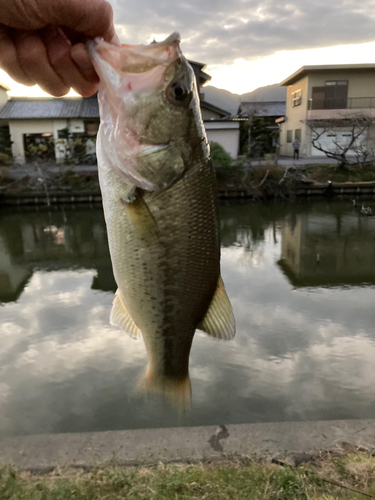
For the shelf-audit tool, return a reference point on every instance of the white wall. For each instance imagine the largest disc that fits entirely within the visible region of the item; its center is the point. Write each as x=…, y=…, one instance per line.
x=341, y=135
x=18, y=128
x=226, y=133
x=3, y=97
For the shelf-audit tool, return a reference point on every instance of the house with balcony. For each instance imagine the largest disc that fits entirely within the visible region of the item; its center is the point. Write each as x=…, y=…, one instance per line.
x=320, y=94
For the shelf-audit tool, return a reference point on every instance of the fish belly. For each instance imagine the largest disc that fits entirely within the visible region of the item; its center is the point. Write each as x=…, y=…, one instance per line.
x=167, y=271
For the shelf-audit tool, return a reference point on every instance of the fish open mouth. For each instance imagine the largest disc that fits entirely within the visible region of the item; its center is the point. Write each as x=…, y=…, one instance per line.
x=129, y=75
x=134, y=68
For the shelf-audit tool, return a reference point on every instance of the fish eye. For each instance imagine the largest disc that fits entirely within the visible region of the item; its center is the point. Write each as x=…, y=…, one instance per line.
x=179, y=90
x=178, y=94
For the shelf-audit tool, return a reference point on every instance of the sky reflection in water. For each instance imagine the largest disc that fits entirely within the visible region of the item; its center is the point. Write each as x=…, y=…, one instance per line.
x=304, y=348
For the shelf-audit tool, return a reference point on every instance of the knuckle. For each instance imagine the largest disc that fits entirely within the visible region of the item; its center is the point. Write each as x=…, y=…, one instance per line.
x=85, y=90
x=57, y=91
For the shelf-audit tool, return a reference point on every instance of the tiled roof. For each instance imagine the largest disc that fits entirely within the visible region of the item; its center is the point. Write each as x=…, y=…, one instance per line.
x=18, y=108
x=270, y=108
x=216, y=109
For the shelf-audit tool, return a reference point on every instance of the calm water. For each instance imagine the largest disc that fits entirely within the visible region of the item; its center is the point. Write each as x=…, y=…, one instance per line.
x=305, y=344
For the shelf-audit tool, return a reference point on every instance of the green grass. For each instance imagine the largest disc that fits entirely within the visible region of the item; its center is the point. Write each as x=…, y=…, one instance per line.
x=231, y=480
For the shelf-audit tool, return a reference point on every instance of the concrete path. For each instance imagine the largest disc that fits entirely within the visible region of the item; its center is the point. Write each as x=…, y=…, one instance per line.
x=147, y=446
x=287, y=161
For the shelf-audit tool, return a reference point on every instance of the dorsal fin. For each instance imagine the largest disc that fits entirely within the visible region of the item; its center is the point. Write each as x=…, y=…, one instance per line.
x=219, y=319
x=120, y=317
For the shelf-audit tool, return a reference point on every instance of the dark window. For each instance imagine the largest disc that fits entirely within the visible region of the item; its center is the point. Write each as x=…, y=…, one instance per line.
x=63, y=133
x=333, y=95
x=297, y=134
x=289, y=136
x=39, y=147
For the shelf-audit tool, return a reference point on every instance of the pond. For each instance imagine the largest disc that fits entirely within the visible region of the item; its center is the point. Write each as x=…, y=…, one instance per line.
x=301, y=278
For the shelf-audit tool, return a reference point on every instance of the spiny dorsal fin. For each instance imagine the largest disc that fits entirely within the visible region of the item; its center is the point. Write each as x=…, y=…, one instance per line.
x=121, y=318
x=219, y=319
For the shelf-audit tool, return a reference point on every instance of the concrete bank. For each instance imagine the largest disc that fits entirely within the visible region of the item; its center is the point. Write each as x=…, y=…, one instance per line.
x=304, y=190
x=147, y=446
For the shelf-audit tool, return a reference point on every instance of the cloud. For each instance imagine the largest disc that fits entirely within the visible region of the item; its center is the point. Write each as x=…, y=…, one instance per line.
x=219, y=32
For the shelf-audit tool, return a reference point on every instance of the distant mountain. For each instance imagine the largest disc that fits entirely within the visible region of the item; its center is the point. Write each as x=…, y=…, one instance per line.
x=230, y=102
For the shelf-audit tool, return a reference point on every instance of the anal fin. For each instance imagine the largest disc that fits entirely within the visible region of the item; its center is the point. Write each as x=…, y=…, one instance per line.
x=120, y=317
x=219, y=319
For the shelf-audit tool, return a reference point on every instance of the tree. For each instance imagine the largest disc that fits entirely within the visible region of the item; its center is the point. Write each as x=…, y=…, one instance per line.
x=221, y=160
x=255, y=137
x=356, y=131
x=5, y=144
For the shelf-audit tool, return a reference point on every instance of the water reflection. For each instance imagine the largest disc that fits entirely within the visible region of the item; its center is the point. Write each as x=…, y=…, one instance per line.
x=49, y=241
x=326, y=247
x=304, y=349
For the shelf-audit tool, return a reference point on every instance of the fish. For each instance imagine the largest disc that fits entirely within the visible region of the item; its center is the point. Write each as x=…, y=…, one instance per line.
x=160, y=204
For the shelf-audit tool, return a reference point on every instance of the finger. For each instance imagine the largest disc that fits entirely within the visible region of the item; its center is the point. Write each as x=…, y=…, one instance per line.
x=33, y=59
x=90, y=17
x=58, y=49
x=83, y=61
x=9, y=61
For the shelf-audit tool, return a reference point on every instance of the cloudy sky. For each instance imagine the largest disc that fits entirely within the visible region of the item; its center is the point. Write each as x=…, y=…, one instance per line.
x=248, y=44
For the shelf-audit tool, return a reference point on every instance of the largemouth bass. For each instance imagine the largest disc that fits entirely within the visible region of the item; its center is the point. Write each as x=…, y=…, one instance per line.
x=159, y=197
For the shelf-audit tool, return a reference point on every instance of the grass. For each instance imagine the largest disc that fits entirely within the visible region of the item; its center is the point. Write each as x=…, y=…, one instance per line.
x=351, y=173
x=230, y=480
x=67, y=180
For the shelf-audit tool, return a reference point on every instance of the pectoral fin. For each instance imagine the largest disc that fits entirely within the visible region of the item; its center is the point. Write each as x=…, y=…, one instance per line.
x=143, y=221
x=161, y=165
x=121, y=318
x=219, y=319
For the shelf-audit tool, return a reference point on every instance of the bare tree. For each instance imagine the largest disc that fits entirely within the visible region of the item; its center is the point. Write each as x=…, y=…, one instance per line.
x=355, y=128
x=364, y=150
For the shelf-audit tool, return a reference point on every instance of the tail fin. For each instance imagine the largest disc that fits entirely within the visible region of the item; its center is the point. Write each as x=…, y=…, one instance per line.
x=177, y=391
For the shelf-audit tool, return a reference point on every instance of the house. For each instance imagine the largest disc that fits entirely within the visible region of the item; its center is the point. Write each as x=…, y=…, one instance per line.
x=270, y=111
x=3, y=94
x=220, y=127
x=4, y=130
x=44, y=124
x=34, y=122
x=319, y=249
x=317, y=95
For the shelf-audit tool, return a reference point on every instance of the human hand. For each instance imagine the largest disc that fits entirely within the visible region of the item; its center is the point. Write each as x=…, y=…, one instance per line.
x=42, y=42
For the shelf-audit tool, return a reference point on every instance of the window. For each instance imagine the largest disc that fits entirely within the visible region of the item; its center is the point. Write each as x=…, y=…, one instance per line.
x=289, y=136
x=92, y=128
x=333, y=95
x=337, y=82
x=296, y=98
x=63, y=133
x=39, y=146
x=297, y=134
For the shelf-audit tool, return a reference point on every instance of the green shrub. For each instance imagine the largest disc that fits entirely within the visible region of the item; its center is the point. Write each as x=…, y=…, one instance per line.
x=221, y=161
